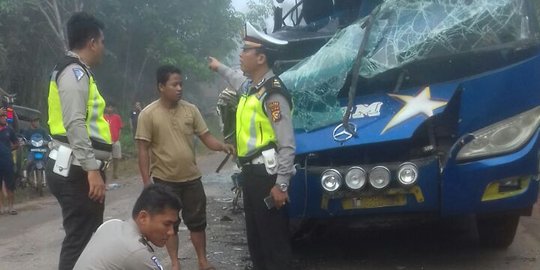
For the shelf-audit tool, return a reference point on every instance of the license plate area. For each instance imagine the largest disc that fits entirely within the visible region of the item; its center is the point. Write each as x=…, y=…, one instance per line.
x=374, y=201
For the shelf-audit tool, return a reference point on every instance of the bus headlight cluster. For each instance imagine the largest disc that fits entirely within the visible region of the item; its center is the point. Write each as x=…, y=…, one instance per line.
x=331, y=180
x=407, y=174
x=355, y=178
x=379, y=177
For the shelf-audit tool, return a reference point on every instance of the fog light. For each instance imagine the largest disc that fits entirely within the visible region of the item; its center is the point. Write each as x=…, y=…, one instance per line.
x=355, y=178
x=407, y=174
x=331, y=180
x=510, y=184
x=379, y=177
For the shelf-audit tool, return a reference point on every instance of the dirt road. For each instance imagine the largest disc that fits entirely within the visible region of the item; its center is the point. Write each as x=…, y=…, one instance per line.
x=31, y=240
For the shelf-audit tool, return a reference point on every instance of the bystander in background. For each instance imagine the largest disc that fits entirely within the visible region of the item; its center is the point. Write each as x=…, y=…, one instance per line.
x=134, y=116
x=115, y=125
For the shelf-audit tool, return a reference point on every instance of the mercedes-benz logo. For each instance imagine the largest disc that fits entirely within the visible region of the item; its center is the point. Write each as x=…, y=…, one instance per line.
x=341, y=134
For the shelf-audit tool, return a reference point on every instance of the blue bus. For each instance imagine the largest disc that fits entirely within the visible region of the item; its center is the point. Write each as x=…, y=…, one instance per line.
x=414, y=109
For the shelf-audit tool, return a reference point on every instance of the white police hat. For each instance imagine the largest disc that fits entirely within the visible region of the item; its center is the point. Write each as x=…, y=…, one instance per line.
x=255, y=36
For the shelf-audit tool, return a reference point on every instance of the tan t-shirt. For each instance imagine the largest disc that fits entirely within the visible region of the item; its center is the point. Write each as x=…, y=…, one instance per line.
x=171, y=136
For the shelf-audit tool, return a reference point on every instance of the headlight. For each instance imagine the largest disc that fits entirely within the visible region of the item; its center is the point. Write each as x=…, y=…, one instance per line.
x=37, y=143
x=407, y=174
x=331, y=180
x=379, y=177
x=355, y=178
x=502, y=137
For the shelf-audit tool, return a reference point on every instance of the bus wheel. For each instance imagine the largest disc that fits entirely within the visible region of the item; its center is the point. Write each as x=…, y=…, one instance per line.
x=497, y=231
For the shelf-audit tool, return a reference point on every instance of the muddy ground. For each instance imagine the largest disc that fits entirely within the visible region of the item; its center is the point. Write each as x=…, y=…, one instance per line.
x=31, y=240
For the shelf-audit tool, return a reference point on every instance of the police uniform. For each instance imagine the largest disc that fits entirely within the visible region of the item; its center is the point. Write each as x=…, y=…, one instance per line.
x=118, y=245
x=76, y=122
x=265, y=147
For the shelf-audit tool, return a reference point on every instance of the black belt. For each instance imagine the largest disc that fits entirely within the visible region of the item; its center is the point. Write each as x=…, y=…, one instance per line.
x=259, y=160
x=247, y=160
x=95, y=144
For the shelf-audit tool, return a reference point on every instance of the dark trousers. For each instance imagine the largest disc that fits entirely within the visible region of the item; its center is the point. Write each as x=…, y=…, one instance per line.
x=81, y=216
x=7, y=174
x=193, y=199
x=267, y=230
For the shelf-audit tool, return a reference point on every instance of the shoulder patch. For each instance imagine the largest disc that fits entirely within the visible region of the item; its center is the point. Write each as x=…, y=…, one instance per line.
x=79, y=73
x=156, y=262
x=275, y=111
x=276, y=83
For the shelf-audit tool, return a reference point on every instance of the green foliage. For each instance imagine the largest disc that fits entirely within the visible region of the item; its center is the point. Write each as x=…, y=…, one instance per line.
x=128, y=142
x=140, y=35
x=259, y=10
x=181, y=33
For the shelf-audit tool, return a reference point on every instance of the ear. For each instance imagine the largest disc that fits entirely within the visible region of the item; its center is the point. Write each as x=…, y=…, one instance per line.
x=161, y=87
x=261, y=59
x=92, y=43
x=143, y=217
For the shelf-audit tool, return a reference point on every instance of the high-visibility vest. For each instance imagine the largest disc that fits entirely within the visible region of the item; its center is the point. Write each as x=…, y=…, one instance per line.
x=96, y=125
x=254, y=131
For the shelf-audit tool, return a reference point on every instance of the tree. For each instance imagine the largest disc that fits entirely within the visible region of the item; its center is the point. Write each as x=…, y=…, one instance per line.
x=258, y=12
x=50, y=9
x=182, y=33
x=139, y=34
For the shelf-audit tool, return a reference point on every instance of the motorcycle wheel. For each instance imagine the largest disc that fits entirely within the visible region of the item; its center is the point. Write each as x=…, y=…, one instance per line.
x=44, y=179
x=39, y=181
x=235, y=202
x=21, y=182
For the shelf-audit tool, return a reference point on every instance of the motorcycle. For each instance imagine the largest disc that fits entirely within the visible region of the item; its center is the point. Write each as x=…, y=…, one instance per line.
x=37, y=154
x=226, y=109
x=237, y=191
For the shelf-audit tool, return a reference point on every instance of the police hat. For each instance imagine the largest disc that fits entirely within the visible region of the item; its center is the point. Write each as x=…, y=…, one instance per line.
x=257, y=39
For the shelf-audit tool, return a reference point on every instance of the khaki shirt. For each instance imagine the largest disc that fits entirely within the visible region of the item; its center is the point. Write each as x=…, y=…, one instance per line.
x=73, y=92
x=118, y=245
x=171, y=136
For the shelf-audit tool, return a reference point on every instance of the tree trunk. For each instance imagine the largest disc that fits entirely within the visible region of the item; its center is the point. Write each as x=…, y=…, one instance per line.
x=126, y=82
x=50, y=10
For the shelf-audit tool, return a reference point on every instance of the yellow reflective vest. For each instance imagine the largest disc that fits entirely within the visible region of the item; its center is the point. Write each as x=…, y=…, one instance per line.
x=254, y=131
x=96, y=125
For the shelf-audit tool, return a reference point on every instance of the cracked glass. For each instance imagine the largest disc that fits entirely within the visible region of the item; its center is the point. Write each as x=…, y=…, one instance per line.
x=403, y=32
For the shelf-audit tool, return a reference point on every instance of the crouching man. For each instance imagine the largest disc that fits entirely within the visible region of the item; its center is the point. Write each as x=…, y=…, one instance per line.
x=126, y=244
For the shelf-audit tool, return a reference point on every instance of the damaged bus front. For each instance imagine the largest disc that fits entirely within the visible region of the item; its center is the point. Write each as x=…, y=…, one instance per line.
x=420, y=108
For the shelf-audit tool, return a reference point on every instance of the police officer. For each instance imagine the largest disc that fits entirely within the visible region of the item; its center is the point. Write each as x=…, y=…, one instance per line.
x=81, y=137
x=126, y=245
x=266, y=147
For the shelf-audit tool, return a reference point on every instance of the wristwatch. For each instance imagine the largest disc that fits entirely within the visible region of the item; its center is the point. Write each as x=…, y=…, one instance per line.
x=283, y=187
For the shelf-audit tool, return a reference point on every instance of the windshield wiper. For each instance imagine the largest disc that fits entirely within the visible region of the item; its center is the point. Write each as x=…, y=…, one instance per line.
x=356, y=69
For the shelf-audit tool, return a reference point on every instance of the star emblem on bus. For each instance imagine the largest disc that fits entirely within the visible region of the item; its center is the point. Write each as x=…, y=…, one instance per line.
x=421, y=104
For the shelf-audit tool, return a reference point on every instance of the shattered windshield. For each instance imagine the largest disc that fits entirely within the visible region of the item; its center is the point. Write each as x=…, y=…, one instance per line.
x=403, y=32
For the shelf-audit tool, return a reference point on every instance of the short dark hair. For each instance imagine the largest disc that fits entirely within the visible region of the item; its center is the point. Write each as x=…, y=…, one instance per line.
x=155, y=199
x=164, y=72
x=82, y=27
x=270, y=55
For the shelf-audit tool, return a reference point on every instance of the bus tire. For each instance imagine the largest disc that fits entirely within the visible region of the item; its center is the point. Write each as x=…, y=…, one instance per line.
x=497, y=231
